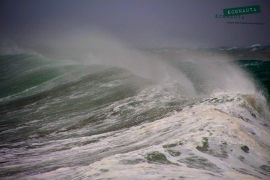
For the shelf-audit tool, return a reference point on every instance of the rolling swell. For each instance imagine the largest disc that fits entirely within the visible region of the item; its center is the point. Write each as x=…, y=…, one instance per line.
x=24, y=75
x=55, y=91
x=69, y=100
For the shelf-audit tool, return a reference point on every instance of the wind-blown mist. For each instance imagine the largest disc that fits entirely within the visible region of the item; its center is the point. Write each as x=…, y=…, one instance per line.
x=195, y=72
x=192, y=71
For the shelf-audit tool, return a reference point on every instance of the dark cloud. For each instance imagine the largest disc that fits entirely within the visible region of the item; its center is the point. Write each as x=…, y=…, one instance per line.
x=148, y=23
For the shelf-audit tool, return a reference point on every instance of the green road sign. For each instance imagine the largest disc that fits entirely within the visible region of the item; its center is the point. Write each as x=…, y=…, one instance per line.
x=242, y=10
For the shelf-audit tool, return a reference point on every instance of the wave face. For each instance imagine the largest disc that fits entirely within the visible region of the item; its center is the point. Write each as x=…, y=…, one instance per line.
x=65, y=120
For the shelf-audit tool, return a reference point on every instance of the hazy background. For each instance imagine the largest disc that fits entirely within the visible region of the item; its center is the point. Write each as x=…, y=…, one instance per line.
x=140, y=23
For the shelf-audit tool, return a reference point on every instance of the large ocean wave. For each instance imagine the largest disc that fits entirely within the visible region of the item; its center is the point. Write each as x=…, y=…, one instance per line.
x=146, y=117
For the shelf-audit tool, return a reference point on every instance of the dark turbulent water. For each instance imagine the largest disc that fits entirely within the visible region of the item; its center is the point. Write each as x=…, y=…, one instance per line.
x=64, y=120
x=260, y=70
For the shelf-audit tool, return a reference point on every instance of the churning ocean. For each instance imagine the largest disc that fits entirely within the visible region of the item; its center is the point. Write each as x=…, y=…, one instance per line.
x=162, y=115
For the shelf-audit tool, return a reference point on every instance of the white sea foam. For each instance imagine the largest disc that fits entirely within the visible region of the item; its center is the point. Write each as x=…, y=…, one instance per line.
x=204, y=140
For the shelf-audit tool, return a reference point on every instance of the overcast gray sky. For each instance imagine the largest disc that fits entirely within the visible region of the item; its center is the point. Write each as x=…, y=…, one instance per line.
x=176, y=23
